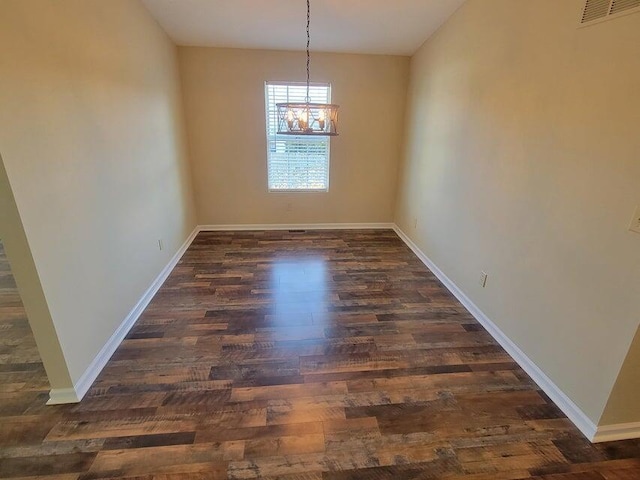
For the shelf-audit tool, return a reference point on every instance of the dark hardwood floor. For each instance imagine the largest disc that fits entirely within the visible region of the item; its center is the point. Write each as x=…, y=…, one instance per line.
x=318, y=355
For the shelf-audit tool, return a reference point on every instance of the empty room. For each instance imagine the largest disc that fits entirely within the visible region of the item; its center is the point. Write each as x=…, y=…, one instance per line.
x=320, y=239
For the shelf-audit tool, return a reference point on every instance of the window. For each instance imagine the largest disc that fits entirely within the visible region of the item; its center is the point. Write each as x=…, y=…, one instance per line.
x=296, y=162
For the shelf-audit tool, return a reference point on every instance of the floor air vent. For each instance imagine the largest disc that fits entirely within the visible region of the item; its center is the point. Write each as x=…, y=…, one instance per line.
x=597, y=10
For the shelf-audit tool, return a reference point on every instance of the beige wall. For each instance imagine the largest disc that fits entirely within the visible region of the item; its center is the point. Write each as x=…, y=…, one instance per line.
x=91, y=135
x=223, y=92
x=523, y=159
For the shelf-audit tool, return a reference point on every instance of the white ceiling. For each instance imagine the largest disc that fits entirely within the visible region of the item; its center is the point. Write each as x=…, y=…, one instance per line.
x=396, y=27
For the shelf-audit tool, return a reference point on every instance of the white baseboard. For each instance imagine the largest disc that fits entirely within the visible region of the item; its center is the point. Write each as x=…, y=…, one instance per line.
x=620, y=431
x=603, y=433
x=73, y=395
x=58, y=396
x=80, y=388
x=296, y=226
x=570, y=409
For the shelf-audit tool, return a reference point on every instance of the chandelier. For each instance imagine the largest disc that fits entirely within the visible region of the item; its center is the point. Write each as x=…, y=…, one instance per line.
x=307, y=118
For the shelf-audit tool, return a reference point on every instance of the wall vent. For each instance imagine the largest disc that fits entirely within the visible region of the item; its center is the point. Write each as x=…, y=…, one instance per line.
x=598, y=10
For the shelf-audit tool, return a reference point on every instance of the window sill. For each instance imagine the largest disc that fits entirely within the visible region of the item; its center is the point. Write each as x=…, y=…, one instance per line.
x=299, y=190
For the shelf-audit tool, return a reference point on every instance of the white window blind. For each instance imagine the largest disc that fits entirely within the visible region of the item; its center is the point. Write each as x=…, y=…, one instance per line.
x=296, y=162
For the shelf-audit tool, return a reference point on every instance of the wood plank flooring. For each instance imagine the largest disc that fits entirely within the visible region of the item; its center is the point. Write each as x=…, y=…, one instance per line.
x=317, y=355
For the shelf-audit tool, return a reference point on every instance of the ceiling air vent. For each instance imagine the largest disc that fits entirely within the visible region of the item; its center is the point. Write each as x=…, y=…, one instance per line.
x=595, y=10
x=618, y=6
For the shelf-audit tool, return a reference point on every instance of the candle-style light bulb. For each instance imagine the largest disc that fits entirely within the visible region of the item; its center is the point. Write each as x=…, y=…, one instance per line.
x=321, y=119
x=290, y=118
x=304, y=119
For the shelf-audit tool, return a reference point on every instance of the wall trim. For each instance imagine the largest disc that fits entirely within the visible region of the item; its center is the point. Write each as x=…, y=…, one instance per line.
x=603, y=433
x=296, y=226
x=618, y=431
x=570, y=409
x=73, y=395
x=58, y=396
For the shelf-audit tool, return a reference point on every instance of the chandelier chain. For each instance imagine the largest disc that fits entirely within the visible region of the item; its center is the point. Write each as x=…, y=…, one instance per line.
x=308, y=43
x=297, y=118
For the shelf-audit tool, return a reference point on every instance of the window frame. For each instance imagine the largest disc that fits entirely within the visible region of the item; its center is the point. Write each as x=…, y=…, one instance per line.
x=292, y=137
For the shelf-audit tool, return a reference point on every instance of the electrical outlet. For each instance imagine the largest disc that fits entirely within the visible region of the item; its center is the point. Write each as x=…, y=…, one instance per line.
x=160, y=245
x=635, y=223
x=483, y=279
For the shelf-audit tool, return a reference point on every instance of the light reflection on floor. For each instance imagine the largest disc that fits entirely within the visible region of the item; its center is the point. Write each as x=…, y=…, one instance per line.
x=300, y=289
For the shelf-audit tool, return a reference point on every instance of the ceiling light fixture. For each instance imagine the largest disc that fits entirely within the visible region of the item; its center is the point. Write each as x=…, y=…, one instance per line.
x=307, y=118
